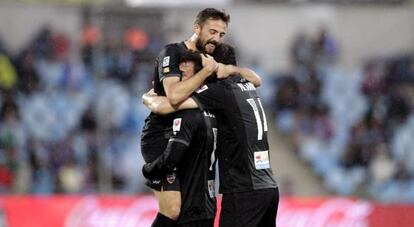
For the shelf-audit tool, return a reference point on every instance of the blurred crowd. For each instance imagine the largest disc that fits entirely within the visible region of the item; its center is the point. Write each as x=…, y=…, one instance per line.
x=70, y=116
x=354, y=128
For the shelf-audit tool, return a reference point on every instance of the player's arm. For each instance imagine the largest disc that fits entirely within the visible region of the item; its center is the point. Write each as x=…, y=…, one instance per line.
x=226, y=55
x=224, y=71
x=177, y=91
x=210, y=97
x=161, y=104
x=167, y=161
x=185, y=125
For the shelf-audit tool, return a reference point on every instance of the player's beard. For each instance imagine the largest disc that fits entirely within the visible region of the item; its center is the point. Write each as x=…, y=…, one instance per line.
x=202, y=47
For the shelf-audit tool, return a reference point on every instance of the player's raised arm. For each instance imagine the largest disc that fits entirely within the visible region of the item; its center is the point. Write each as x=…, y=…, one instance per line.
x=228, y=66
x=177, y=91
x=224, y=71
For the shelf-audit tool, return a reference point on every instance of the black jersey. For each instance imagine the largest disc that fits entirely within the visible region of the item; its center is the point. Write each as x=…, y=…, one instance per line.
x=157, y=128
x=191, y=150
x=243, y=150
x=196, y=168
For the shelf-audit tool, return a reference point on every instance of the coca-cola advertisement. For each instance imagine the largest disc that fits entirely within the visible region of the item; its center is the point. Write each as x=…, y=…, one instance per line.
x=140, y=210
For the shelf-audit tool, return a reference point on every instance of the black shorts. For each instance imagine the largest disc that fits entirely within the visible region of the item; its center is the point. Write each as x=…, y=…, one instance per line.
x=155, y=135
x=246, y=209
x=201, y=223
x=169, y=182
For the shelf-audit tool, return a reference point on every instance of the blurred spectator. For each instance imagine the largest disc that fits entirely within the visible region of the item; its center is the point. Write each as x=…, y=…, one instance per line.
x=382, y=168
x=28, y=76
x=315, y=122
x=8, y=75
x=12, y=137
x=365, y=136
x=6, y=176
x=301, y=50
x=374, y=83
x=326, y=47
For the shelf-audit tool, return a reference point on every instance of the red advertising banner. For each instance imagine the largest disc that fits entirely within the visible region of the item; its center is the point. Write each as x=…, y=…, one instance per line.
x=139, y=211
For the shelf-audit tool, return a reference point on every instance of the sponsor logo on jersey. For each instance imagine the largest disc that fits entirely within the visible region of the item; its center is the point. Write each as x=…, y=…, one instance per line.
x=166, y=61
x=156, y=181
x=202, y=88
x=176, y=125
x=261, y=159
x=171, y=178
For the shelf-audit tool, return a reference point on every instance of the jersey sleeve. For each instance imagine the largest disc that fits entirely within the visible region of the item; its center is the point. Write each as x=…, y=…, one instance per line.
x=210, y=96
x=185, y=125
x=168, y=62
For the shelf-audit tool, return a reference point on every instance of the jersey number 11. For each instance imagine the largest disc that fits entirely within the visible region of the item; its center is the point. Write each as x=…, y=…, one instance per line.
x=260, y=118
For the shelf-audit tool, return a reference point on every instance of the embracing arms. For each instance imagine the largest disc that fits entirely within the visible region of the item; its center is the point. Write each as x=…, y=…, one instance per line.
x=161, y=105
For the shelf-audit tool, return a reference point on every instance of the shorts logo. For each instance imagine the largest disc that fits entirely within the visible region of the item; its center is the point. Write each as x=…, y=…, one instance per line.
x=166, y=61
x=261, y=159
x=202, y=88
x=171, y=178
x=176, y=125
x=211, y=188
x=166, y=70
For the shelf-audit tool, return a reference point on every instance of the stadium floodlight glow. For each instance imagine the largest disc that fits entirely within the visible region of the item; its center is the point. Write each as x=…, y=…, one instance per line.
x=172, y=3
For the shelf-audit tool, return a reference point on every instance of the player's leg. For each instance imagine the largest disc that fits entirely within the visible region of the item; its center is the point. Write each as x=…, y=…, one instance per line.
x=245, y=209
x=227, y=215
x=269, y=218
x=169, y=201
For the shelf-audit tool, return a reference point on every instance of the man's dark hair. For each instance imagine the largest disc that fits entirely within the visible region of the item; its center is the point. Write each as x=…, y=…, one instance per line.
x=225, y=54
x=192, y=56
x=211, y=13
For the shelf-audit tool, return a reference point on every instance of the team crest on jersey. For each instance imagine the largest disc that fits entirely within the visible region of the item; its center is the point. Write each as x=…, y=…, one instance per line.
x=202, y=88
x=166, y=61
x=176, y=125
x=171, y=178
x=261, y=159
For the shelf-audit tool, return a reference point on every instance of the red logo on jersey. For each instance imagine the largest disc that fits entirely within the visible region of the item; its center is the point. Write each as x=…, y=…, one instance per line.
x=176, y=124
x=202, y=88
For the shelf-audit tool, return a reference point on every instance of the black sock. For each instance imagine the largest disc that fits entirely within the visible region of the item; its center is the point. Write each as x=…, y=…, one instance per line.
x=163, y=221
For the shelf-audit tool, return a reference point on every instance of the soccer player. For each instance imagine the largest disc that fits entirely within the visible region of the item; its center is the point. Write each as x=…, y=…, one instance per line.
x=190, y=149
x=209, y=29
x=250, y=193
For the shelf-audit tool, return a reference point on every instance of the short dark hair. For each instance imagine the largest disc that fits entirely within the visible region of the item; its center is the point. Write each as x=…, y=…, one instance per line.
x=211, y=13
x=225, y=54
x=192, y=56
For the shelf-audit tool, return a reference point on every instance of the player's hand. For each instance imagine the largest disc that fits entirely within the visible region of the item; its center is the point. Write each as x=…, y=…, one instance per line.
x=146, y=97
x=209, y=62
x=151, y=92
x=223, y=71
